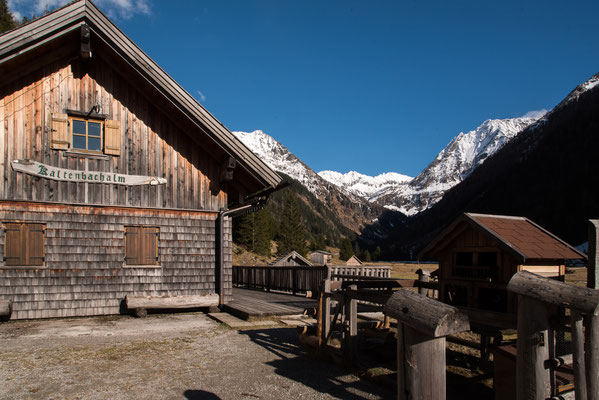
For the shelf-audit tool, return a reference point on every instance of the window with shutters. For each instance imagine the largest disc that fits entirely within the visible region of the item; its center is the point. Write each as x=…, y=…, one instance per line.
x=141, y=245
x=23, y=244
x=93, y=135
x=86, y=134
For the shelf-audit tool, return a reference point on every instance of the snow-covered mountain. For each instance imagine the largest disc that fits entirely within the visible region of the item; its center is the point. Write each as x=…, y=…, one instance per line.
x=367, y=187
x=452, y=165
x=353, y=211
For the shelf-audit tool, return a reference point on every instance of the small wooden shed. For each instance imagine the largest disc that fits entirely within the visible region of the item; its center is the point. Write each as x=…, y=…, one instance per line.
x=291, y=259
x=479, y=253
x=321, y=257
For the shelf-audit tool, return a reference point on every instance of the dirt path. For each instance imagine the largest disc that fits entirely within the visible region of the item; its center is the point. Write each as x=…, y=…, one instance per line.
x=169, y=356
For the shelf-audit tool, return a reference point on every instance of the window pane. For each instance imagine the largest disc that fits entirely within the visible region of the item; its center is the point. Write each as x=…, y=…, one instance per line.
x=487, y=259
x=94, y=129
x=463, y=258
x=94, y=143
x=78, y=126
x=79, y=142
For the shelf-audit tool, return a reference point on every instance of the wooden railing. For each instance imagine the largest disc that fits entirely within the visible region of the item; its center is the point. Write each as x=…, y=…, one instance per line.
x=295, y=280
x=305, y=280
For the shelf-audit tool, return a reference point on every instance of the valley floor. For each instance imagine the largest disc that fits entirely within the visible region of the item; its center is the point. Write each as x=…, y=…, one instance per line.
x=165, y=356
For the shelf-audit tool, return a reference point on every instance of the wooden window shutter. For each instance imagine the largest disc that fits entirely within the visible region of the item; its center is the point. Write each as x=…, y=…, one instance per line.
x=13, y=244
x=132, y=245
x=112, y=137
x=60, y=131
x=149, y=246
x=24, y=244
x=35, y=245
x=141, y=245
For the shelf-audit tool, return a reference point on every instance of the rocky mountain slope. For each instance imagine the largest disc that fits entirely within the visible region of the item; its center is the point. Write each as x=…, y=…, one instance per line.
x=352, y=211
x=546, y=173
x=451, y=166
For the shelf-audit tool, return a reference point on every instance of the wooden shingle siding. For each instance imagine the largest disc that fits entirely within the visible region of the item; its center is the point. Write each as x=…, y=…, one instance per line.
x=84, y=271
x=151, y=142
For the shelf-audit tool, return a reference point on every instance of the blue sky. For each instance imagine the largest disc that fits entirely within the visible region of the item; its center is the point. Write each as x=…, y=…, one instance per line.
x=370, y=86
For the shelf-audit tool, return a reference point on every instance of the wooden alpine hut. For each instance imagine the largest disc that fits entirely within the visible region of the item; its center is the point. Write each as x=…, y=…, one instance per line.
x=115, y=182
x=479, y=253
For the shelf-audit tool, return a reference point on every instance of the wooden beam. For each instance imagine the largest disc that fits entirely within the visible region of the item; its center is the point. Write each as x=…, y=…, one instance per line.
x=426, y=315
x=554, y=292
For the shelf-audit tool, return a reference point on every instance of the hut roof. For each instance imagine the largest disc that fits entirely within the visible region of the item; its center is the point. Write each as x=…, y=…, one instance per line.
x=353, y=260
x=517, y=235
x=292, y=255
x=30, y=42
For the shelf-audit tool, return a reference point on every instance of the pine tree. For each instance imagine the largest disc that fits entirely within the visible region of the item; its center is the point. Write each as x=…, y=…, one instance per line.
x=292, y=234
x=253, y=231
x=366, y=256
x=7, y=22
x=346, y=251
x=377, y=253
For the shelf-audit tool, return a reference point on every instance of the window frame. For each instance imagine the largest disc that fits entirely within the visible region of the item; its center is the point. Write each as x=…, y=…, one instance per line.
x=26, y=238
x=87, y=121
x=141, y=230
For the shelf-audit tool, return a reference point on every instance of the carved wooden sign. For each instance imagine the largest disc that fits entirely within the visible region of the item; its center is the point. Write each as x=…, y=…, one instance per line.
x=71, y=175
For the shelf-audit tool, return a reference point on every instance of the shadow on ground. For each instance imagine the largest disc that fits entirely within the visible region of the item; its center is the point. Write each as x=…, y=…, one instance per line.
x=200, y=395
x=296, y=364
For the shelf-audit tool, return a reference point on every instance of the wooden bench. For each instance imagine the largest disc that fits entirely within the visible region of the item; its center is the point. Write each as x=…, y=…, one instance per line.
x=141, y=304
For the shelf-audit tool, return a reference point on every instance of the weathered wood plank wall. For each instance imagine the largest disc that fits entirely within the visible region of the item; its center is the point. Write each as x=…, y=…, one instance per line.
x=84, y=272
x=152, y=142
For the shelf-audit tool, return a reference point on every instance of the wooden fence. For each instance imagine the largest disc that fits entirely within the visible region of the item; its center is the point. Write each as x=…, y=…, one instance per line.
x=295, y=280
x=305, y=280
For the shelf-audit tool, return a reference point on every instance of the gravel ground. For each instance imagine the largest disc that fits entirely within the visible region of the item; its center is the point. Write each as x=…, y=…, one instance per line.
x=166, y=356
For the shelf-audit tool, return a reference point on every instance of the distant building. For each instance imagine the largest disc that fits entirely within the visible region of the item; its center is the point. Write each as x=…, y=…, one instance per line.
x=321, y=257
x=293, y=259
x=479, y=253
x=353, y=260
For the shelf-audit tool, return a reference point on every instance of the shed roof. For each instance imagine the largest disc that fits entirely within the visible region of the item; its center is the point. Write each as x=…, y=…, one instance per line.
x=517, y=235
x=27, y=39
x=294, y=255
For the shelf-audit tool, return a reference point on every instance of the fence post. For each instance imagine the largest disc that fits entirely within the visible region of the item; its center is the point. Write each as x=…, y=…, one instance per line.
x=591, y=350
x=578, y=362
x=532, y=378
x=351, y=326
x=423, y=276
x=423, y=324
x=326, y=309
x=535, y=295
x=592, y=272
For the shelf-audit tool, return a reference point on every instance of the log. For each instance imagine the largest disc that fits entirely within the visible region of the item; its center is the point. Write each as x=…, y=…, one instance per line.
x=426, y=315
x=550, y=291
x=177, y=302
x=5, y=308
